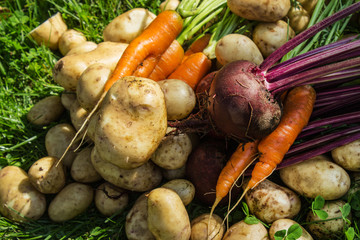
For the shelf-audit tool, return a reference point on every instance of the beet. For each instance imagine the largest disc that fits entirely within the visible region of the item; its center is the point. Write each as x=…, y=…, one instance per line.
x=240, y=105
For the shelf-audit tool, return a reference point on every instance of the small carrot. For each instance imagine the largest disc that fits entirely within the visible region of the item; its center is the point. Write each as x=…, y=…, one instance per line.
x=243, y=156
x=153, y=41
x=297, y=110
x=193, y=69
x=146, y=67
x=168, y=62
x=198, y=45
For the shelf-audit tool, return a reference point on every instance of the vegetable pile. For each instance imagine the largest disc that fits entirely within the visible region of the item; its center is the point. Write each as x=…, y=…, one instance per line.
x=205, y=119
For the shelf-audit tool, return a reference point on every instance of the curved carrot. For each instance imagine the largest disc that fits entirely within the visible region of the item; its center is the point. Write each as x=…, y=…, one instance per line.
x=154, y=40
x=193, y=69
x=198, y=45
x=298, y=107
x=168, y=62
x=146, y=67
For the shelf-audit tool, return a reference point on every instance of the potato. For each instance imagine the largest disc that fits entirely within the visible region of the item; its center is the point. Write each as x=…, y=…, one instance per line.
x=270, y=36
x=82, y=169
x=85, y=47
x=46, y=111
x=57, y=139
x=244, y=231
x=140, y=179
x=134, y=107
x=50, y=31
x=70, y=39
x=179, y=98
x=235, y=47
x=78, y=115
x=110, y=199
x=269, y=201
x=173, y=151
x=47, y=175
x=169, y=5
x=201, y=231
x=129, y=25
x=136, y=226
x=68, y=69
x=327, y=229
x=298, y=18
x=90, y=133
x=70, y=202
x=348, y=156
x=68, y=99
x=260, y=10
x=285, y=224
x=317, y=176
x=91, y=85
x=184, y=188
x=19, y=200
x=170, y=174
x=167, y=215
x=308, y=5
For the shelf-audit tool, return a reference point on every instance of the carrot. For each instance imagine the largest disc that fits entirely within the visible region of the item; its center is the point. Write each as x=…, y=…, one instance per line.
x=243, y=156
x=168, y=62
x=153, y=41
x=193, y=69
x=297, y=110
x=146, y=67
x=198, y=45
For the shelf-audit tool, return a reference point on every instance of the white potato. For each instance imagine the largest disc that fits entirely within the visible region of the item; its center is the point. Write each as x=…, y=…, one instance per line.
x=298, y=18
x=68, y=99
x=47, y=175
x=57, y=139
x=70, y=39
x=136, y=226
x=244, y=231
x=132, y=122
x=173, y=151
x=348, y=156
x=82, y=169
x=78, y=115
x=269, y=201
x=180, y=98
x=235, y=47
x=91, y=85
x=71, y=201
x=260, y=10
x=85, y=47
x=46, y=111
x=140, y=179
x=270, y=36
x=200, y=229
x=169, y=5
x=167, y=215
x=285, y=224
x=129, y=25
x=308, y=5
x=110, y=200
x=184, y=188
x=317, y=176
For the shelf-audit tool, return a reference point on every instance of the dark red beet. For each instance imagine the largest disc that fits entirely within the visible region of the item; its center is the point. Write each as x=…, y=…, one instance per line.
x=240, y=105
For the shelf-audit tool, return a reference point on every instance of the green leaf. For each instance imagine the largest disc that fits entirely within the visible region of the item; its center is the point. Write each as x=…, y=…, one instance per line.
x=294, y=232
x=245, y=208
x=350, y=233
x=251, y=220
x=345, y=210
x=321, y=214
x=318, y=203
x=279, y=235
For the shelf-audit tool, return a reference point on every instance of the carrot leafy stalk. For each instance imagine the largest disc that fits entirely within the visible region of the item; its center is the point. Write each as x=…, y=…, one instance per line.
x=153, y=41
x=297, y=110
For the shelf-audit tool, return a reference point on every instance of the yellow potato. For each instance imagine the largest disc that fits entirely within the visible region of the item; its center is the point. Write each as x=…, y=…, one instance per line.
x=348, y=156
x=19, y=199
x=244, y=231
x=200, y=227
x=68, y=69
x=68, y=99
x=285, y=224
x=167, y=215
x=110, y=199
x=47, y=176
x=82, y=169
x=78, y=115
x=46, y=111
x=169, y=5
x=71, y=201
x=184, y=188
x=85, y=47
x=298, y=18
x=132, y=122
x=70, y=39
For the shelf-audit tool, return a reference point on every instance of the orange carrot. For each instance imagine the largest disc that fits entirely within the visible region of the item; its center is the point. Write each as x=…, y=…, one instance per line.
x=154, y=40
x=193, y=69
x=198, y=45
x=168, y=62
x=298, y=107
x=146, y=67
